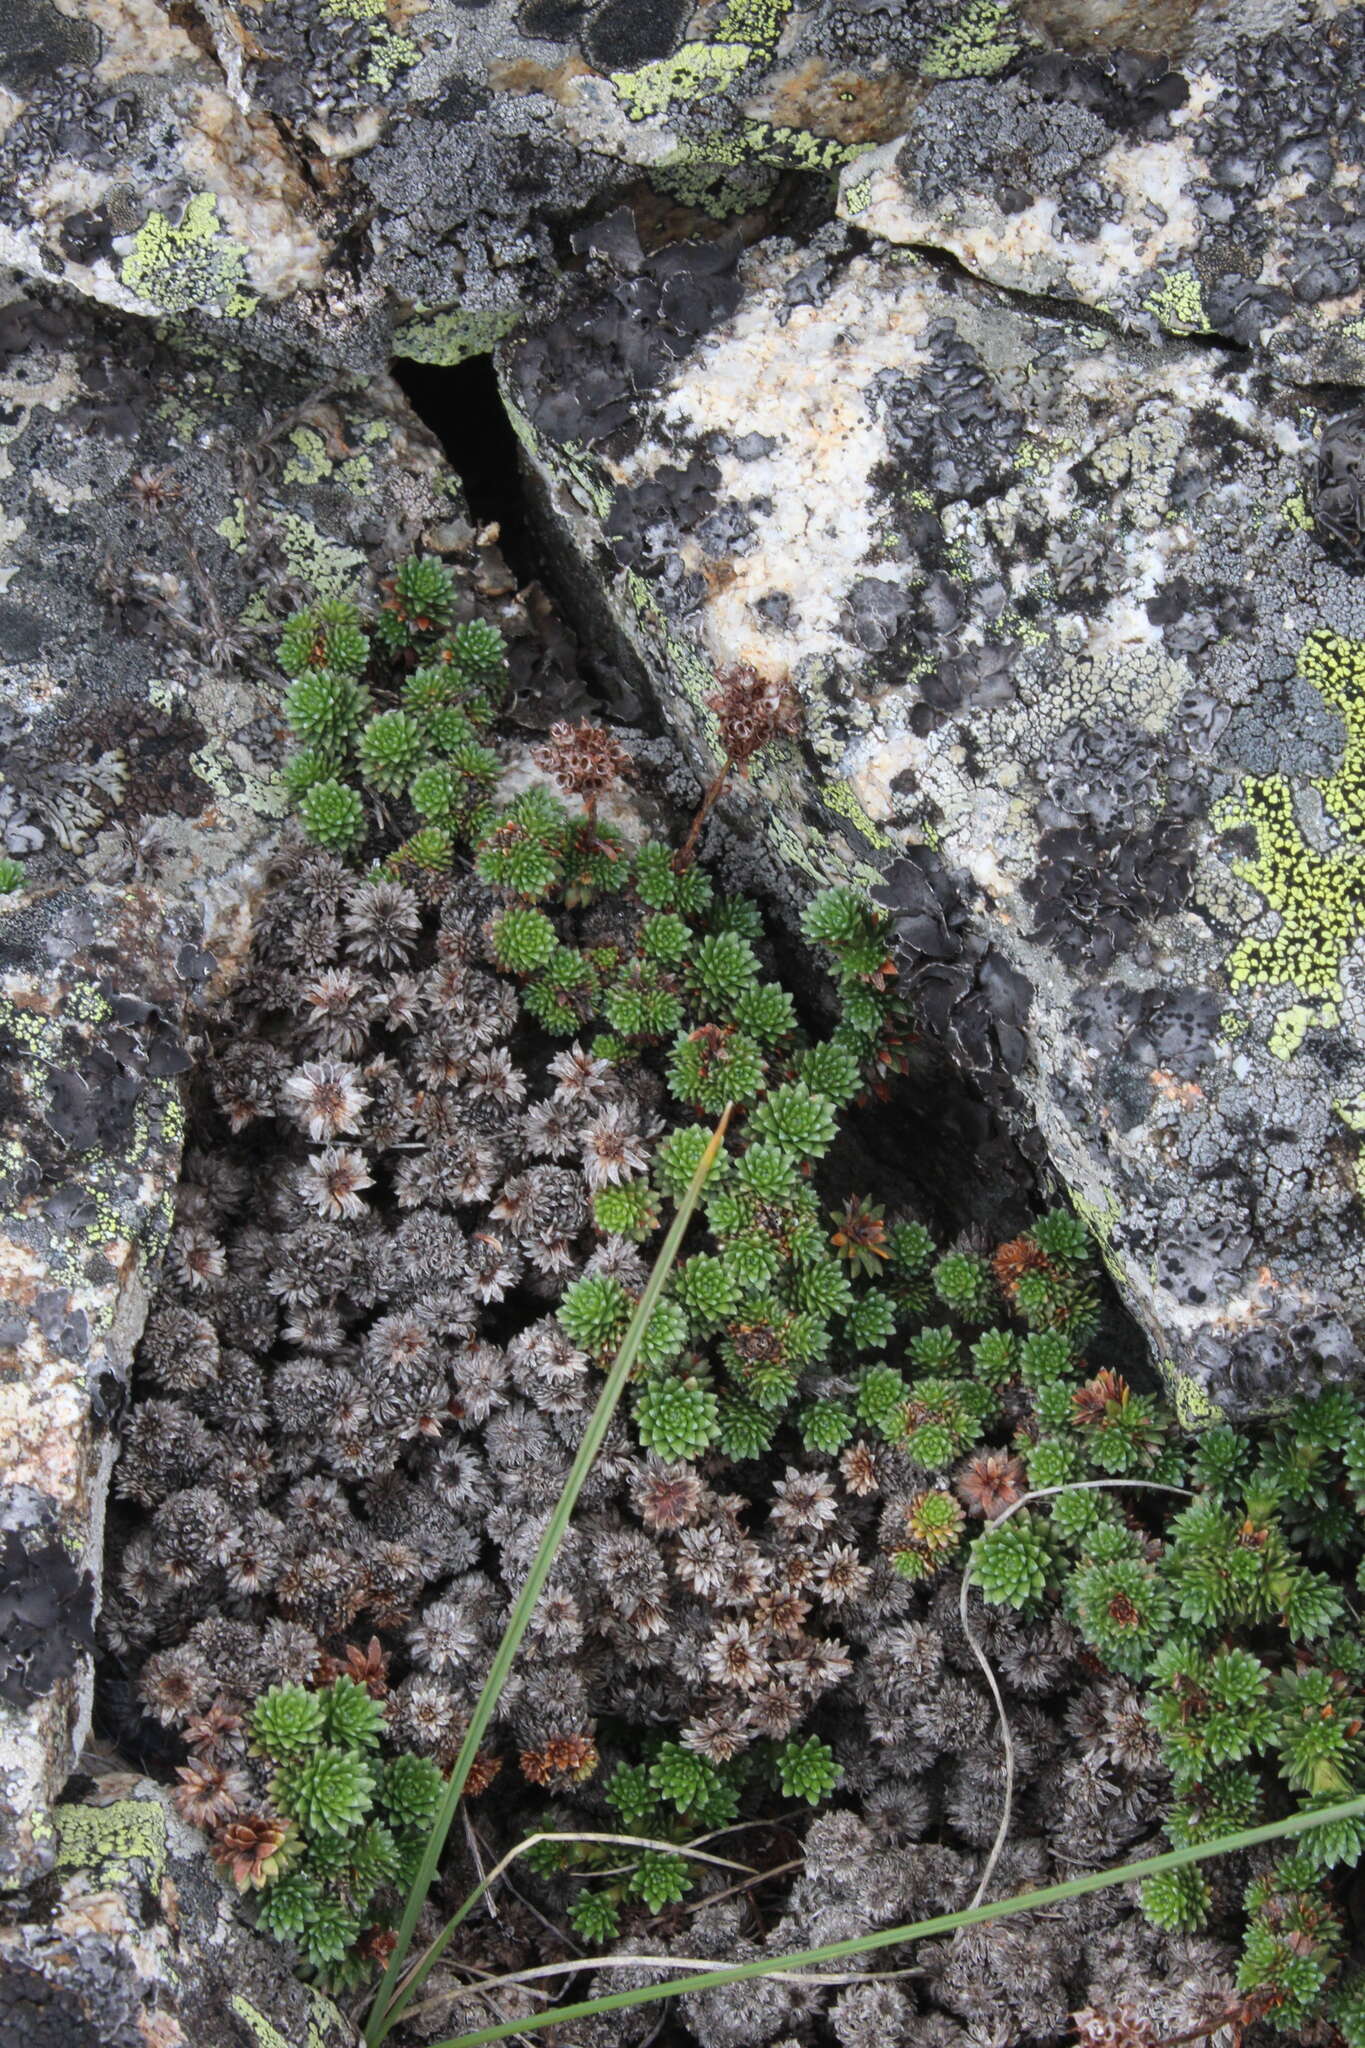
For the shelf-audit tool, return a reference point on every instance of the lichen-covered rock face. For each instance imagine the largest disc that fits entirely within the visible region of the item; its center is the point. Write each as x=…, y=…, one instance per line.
x=131, y=1946
x=342, y=177
x=340, y=180
x=92, y=987
x=150, y=497
x=1219, y=197
x=1084, y=686
x=152, y=492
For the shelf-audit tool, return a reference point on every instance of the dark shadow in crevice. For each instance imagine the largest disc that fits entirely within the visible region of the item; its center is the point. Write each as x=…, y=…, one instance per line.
x=464, y=410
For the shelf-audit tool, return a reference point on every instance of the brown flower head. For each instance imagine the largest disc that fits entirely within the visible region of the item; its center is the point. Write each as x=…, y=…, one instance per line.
x=584, y=759
x=752, y=710
x=858, y=1467
x=217, y=1732
x=667, y=1496
x=368, y=1667
x=482, y=1771
x=859, y=1233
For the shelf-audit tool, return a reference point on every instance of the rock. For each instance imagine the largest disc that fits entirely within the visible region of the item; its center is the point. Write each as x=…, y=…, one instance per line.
x=329, y=185
x=162, y=507
x=1219, y=197
x=1084, y=690
x=160, y=511
x=132, y=1946
x=90, y=1001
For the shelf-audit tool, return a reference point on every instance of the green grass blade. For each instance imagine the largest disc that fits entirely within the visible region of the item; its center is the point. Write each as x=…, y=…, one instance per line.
x=390, y=2001
x=920, y=1930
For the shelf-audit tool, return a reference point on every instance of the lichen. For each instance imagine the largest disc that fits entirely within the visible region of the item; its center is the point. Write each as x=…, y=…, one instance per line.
x=309, y=464
x=388, y=52
x=325, y=567
x=839, y=797
x=696, y=70
x=453, y=336
x=104, y=1840
x=1178, y=303
x=753, y=21
x=232, y=527
x=1319, y=897
x=971, y=46
x=191, y=265
x=1194, y=1409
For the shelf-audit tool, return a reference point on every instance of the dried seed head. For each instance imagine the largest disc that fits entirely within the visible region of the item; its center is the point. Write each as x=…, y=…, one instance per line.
x=752, y=710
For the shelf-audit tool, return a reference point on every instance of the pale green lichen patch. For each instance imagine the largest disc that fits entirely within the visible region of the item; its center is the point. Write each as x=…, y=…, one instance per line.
x=452, y=336
x=696, y=70
x=972, y=46
x=326, y=567
x=193, y=264
x=1295, y=513
x=106, y=1840
x=1192, y=1404
x=839, y=797
x=232, y=526
x=309, y=464
x=1319, y=897
x=388, y=52
x=1178, y=303
x=753, y=21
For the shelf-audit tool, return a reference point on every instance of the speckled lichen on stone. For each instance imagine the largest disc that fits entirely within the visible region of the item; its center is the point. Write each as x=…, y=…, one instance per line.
x=695, y=71
x=1319, y=897
x=1178, y=303
x=105, y=1840
x=192, y=265
x=972, y=46
x=326, y=567
x=454, y=335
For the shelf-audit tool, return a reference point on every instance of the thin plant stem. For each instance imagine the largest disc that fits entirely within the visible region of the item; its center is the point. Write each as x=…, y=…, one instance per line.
x=920, y=1930
x=974, y=1645
x=389, y=2001
x=686, y=853
x=432, y=1953
x=812, y=1979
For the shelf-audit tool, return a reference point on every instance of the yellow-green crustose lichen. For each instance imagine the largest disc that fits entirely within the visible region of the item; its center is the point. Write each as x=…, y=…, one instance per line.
x=1178, y=303
x=753, y=21
x=1192, y=1404
x=452, y=336
x=194, y=264
x=388, y=52
x=696, y=70
x=105, y=1840
x=325, y=567
x=322, y=2018
x=971, y=46
x=837, y=796
x=1320, y=897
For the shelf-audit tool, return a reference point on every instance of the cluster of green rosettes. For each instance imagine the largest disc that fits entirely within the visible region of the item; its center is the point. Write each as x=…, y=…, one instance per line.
x=766, y=1299
x=675, y=1796
x=1229, y=1615
x=352, y=1825
x=427, y=747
